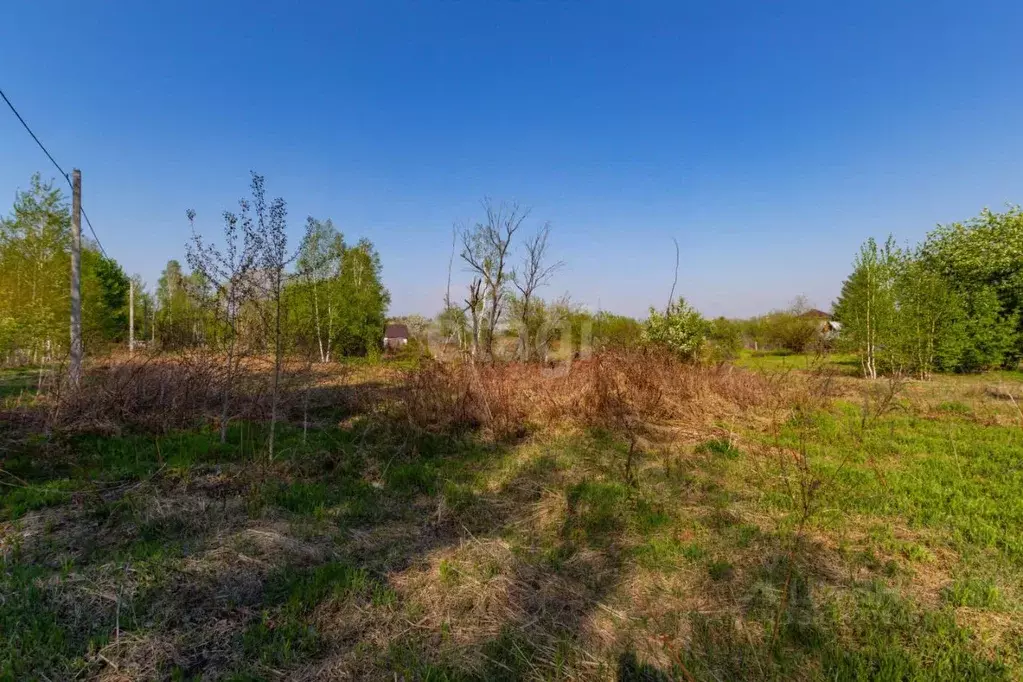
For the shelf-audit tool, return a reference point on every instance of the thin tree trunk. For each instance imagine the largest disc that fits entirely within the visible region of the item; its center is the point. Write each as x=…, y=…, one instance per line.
x=277, y=364
x=316, y=317
x=330, y=326
x=227, y=393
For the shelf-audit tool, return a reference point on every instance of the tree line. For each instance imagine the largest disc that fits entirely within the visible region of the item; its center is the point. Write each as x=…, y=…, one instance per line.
x=35, y=300
x=247, y=293
x=252, y=294
x=953, y=303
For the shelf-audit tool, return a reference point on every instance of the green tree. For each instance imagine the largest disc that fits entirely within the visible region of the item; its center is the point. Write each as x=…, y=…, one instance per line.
x=985, y=252
x=866, y=306
x=145, y=306
x=316, y=299
x=724, y=338
x=364, y=300
x=681, y=329
x=105, y=287
x=616, y=331
x=177, y=312
x=991, y=335
x=34, y=274
x=35, y=257
x=930, y=330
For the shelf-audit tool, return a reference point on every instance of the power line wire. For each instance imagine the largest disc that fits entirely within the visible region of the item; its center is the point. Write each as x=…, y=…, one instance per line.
x=89, y=223
x=57, y=165
x=41, y=146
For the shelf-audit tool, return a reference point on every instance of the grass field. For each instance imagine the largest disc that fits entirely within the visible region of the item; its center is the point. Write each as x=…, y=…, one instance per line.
x=781, y=360
x=872, y=531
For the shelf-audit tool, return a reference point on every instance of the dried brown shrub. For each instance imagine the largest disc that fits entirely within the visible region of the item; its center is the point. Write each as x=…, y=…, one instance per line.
x=155, y=394
x=616, y=390
x=160, y=392
x=624, y=391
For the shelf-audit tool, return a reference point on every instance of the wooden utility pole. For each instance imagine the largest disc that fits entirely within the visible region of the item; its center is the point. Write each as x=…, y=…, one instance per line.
x=131, y=316
x=75, y=369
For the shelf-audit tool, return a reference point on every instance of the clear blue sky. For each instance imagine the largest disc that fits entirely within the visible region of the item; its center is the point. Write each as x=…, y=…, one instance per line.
x=769, y=138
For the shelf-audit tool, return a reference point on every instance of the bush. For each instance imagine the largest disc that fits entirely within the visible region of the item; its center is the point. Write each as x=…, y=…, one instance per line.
x=681, y=330
x=725, y=338
x=616, y=331
x=791, y=332
x=614, y=391
x=991, y=337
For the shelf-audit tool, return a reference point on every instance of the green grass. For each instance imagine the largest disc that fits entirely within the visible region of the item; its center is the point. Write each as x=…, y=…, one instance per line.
x=962, y=478
x=719, y=448
x=284, y=632
x=21, y=499
x=36, y=637
x=977, y=593
x=433, y=557
x=782, y=360
x=16, y=382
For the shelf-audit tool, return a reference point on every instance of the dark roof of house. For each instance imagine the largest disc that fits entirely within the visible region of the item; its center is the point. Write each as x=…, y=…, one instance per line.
x=816, y=315
x=396, y=331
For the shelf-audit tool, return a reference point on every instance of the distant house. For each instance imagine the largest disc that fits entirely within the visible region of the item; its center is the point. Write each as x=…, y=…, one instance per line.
x=815, y=314
x=395, y=336
x=829, y=326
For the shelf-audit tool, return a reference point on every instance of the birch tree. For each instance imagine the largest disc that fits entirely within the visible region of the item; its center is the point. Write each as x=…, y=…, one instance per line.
x=320, y=259
x=866, y=306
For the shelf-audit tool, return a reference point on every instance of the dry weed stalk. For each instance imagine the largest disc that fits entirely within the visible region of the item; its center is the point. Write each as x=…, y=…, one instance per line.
x=641, y=396
x=157, y=393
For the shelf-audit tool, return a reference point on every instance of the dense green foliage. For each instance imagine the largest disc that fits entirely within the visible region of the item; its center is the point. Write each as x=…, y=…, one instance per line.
x=333, y=304
x=953, y=304
x=35, y=242
x=336, y=301
x=333, y=300
x=681, y=329
x=616, y=331
x=725, y=339
x=794, y=329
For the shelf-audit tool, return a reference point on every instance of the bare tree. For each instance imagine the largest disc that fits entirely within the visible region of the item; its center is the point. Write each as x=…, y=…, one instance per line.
x=535, y=273
x=270, y=228
x=227, y=273
x=485, y=249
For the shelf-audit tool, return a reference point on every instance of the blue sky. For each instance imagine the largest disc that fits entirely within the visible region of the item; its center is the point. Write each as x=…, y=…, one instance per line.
x=770, y=139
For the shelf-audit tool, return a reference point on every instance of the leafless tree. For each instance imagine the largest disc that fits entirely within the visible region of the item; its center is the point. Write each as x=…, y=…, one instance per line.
x=485, y=249
x=227, y=274
x=674, y=282
x=270, y=228
x=535, y=273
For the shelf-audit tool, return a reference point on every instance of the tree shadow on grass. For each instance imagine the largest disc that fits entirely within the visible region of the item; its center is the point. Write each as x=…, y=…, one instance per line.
x=371, y=551
x=226, y=564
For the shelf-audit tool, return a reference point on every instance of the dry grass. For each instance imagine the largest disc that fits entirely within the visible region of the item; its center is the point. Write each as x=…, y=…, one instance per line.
x=633, y=516
x=158, y=393
x=618, y=391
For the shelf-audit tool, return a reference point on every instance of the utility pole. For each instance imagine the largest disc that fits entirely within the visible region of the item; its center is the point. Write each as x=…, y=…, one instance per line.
x=76, y=277
x=131, y=316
